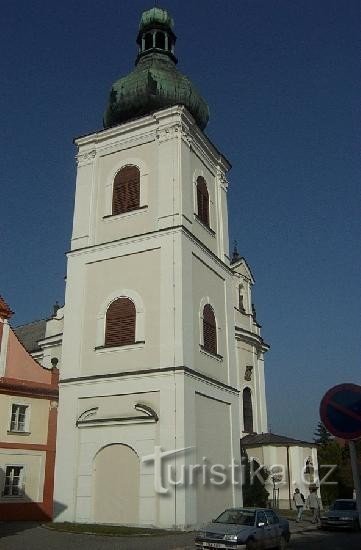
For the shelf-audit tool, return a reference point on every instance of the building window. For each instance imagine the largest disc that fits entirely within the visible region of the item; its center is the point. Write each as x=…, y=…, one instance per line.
x=126, y=190
x=19, y=421
x=247, y=411
x=209, y=330
x=148, y=41
x=160, y=40
x=120, y=323
x=202, y=201
x=14, y=481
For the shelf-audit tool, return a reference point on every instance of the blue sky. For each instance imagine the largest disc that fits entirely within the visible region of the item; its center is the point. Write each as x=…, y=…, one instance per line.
x=282, y=81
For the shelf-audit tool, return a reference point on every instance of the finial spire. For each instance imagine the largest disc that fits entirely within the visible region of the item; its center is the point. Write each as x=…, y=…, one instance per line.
x=235, y=255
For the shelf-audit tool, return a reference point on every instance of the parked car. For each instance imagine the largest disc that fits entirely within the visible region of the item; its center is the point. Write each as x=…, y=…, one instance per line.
x=248, y=528
x=342, y=513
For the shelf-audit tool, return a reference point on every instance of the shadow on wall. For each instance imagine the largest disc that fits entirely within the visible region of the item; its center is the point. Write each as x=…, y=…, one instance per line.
x=17, y=506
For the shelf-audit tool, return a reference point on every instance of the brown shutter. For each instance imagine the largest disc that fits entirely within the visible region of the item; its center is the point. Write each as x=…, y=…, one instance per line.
x=120, y=323
x=202, y=200
x=126, y=190
x=209, y=329
x=247, y=411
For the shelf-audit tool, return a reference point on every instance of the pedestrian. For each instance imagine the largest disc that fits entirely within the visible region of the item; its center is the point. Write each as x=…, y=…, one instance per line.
x=314, y=504
x=299, y=501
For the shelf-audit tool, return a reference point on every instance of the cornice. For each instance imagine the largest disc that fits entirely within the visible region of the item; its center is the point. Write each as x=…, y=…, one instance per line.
x=26, y=388
x=160, y=126
x=50, y=341
x=148, y=236
x=251, y=338
x=133, y=374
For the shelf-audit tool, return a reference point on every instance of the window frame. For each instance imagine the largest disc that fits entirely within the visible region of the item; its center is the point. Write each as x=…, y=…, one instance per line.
x=21, y=483
x=127, y=183
x=16, y=430
x=139, y=325
x=213, y=351
x=134, y=328
x=248, y=389
x=202, y=213
x=108, y=216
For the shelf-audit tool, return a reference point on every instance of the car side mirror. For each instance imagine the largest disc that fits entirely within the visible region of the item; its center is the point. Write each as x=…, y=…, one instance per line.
x=261, y=524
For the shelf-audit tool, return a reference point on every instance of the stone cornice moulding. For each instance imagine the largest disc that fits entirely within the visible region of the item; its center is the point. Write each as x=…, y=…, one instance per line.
x=50, y=341
x=138, y=239
x=167, y=122
x=251, y=338
x=127, y=376
x=89, y=418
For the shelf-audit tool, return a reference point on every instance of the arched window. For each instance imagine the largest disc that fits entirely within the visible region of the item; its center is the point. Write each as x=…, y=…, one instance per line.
x=120, y=323
x=209, y=329
x=126, y=190
x=247, y=411
x=148, y=41
x=160, y=40
x=202, y=200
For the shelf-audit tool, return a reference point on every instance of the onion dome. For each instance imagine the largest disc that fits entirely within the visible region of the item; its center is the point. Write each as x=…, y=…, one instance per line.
x=155, y=83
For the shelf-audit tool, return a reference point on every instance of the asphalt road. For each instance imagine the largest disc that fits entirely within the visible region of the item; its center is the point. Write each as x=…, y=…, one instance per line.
x=29, y=536
x=325, y=540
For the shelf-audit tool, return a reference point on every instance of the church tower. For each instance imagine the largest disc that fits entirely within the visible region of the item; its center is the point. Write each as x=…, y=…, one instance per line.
x=158, y=324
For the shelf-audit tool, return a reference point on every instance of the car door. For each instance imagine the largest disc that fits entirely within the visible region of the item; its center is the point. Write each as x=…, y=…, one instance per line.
x=263, y=534
x=274, y=527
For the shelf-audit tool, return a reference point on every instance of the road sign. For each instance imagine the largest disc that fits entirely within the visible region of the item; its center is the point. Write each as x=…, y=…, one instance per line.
x=340, y=411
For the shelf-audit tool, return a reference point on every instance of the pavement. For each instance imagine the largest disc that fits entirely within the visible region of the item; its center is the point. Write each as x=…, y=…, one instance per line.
x=302, y=526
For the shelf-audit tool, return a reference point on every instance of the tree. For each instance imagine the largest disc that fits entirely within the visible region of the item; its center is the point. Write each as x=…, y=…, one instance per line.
x=321, y=435
x=254, y=491
x=346, y=476
x=330, y=457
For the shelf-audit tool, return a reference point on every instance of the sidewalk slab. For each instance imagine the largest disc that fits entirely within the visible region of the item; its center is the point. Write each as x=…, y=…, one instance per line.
x=302, y=526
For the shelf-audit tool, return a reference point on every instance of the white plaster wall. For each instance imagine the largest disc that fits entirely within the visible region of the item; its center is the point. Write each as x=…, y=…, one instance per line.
x=171, y=271
x=272, y=455
x=212, y=421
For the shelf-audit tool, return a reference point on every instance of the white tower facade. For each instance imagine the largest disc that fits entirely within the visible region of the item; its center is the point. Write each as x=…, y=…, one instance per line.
x=170, y=375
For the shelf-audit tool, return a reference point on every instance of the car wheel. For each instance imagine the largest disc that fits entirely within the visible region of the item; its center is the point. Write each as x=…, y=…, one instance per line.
x=282, y=543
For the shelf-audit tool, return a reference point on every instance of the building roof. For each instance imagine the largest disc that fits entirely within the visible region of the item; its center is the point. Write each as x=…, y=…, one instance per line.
x=155, y=83
x=5, y=311
x=155, y=16
x=255, y=440
x=30, y=334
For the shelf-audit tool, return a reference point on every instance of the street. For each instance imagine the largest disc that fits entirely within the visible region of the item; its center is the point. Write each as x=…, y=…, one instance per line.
x=31, y=536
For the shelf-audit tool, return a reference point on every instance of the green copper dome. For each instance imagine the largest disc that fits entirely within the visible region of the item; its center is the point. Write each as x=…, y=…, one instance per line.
x=155, y=83
x=155, y=16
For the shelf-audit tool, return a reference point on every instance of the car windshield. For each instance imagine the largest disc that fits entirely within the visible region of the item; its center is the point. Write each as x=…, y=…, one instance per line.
x=237, y=517
x=344, y=505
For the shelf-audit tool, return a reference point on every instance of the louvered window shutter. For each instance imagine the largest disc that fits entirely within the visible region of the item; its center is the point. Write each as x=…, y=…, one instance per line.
x=247, y=411
x=202, y=200
x=126, y=190
x=120, y=323
x=209, y=329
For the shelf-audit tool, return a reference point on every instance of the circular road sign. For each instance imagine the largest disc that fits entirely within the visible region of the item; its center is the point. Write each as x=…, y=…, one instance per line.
x=340, y=411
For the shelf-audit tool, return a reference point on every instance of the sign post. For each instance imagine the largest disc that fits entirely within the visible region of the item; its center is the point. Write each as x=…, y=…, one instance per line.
x=340, y=411
x=356, y=476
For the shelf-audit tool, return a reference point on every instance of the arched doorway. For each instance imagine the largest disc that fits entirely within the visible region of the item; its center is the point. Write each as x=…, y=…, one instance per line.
x=116, y=485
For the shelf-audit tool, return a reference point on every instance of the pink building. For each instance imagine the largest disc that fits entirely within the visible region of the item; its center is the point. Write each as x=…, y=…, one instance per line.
x=28, y=413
